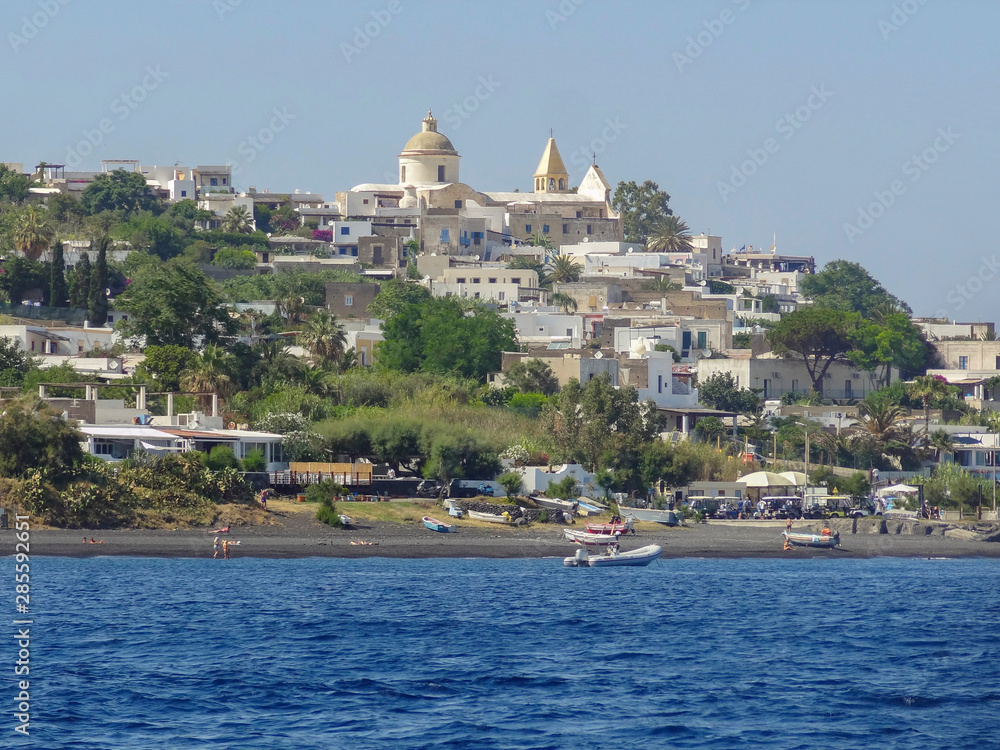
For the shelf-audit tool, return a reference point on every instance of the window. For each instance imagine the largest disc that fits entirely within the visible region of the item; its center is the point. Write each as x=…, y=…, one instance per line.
x=552, y=184
x=963, y=363
x=441, y=173
x=476, y=295
x=500, y=296
x=565, y=228
x=527, y=228
x=458, y=204
x=445, y=236
x=795, y=385
x=342, y=251
x=460, y=280
x=345, y=230
x=348, y=300
x=545, y=228
x=517, y=280
x=354, y=252
x=702, y=339
x=214, y=182
x=402, y=174
x=223, y=180
x=493, y=279
x=103, y=447
x=569, y=332
x=562, y=184
x=848, y=389
x=579, y=214
x=590, y=229
x=364, y=202
x=184, y=193
x=659, y=384
x=475, y=280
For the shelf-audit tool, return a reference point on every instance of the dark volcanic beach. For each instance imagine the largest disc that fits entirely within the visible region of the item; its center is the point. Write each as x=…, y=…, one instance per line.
x=294, y=532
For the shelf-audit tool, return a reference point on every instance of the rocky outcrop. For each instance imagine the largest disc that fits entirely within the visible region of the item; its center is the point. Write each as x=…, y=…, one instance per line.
x=910, y=526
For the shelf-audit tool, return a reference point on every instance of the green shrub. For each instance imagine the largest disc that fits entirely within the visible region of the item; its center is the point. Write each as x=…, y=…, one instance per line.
x=231, y=257
x=324, y=493
x=254, y=461
x=511, y=482
x=327, y=513
x=564, y=489
x=220, y=457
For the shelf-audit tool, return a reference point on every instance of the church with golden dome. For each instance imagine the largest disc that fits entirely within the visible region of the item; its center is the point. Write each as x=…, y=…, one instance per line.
x=450, y=217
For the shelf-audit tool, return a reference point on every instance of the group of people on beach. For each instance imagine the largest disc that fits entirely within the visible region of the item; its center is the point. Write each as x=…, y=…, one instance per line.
x=222, y=547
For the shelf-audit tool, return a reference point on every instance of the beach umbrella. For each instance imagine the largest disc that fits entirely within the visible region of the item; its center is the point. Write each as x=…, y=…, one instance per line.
x=902, y=488
x=761, y=479
x=798, y=478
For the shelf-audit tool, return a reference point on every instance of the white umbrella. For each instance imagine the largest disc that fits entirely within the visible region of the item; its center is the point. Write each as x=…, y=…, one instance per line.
x=904, y=488
x=766, y=479
x=798, y=478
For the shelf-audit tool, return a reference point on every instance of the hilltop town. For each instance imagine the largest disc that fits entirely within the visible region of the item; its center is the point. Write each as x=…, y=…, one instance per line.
x=421, y=326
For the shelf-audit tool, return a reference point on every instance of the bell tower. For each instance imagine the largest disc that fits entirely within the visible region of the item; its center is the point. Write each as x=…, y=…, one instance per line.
x=551, y=175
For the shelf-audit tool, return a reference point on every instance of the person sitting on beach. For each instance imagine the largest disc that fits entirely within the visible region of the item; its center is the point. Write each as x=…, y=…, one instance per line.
x=826, y=531
x=788, y=545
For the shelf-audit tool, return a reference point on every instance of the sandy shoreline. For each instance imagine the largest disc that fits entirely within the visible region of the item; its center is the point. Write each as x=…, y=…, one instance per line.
x=298, y=534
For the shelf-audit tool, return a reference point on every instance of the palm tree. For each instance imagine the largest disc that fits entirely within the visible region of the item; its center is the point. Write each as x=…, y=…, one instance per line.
x=211, y=372
x=928, y=388
x=238, y=220
x=324, y=338
x=275, y=361
x=563, y=269
x=670, y=235
x=541, y=240
x=315, y=380
x=565, y=301
x=880, y=422
x=940, y=441
x=31, y=234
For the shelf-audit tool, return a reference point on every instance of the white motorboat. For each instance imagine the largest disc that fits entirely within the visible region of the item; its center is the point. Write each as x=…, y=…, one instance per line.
x=637, y=558
x=668, y=517
x=490, y=517
x=567, y=506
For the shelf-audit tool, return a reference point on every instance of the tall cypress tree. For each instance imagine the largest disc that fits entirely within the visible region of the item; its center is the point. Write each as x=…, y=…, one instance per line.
x=80, y=291
x=58, y=291
x=97, y=310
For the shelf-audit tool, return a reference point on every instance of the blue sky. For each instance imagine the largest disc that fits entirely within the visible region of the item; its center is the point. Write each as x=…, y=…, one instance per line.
x=853, y=129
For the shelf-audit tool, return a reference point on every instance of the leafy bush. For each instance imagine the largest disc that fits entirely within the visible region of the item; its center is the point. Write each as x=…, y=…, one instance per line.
x=324, y=492
x=231, y=257
x=511, y=482
x=220, y=457
x=254, y=461
x=328, y=514
x=564, y=489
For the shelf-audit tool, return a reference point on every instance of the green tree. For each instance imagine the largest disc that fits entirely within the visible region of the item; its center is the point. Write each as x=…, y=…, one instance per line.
x=33, y=436
x=97, y=309
x=670, y=235
x=14, y=186
x=324, y=338
x=563, y=269
x=172, y=304
x=641, y=208
x=820, y=336
x=929, y=388
x=541, y=240
x=210, y=372
x=58, y=290
x=231, y=257
x=31, y=233
x=532, y=376
x=848, y=287
x=165, y=363
x=893, y=341
x=21, y=275
x=710, y=428
x=119, y=190
x=440, y=335
x=79, y=288
x=512, y=483
x=720, y=391
x=395, y=295
x=238, y=220
x=156, y=235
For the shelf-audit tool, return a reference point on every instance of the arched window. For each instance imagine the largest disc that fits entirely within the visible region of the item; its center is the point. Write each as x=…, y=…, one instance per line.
x=552, y=184
x=562, y=184
x=441, y=173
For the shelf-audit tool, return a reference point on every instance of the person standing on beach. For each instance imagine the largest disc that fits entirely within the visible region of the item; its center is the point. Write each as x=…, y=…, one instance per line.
x=215, y=548
x=788, y=524
x=263, y=497
x=225, y=549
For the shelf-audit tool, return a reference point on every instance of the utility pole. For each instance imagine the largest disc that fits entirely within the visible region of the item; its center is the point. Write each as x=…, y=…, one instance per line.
x=805, y=427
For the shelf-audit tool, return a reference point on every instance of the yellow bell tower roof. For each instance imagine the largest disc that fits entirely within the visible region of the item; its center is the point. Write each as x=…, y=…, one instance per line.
x=551, y=175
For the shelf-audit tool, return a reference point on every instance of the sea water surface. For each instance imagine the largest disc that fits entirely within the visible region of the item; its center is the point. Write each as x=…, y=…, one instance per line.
x=378, y=653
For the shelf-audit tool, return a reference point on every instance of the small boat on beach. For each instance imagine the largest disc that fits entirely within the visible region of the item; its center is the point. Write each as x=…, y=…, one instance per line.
x=611, y=528
x=551, y=503
x=637, y=558
x=435, y=525
x=812, y=540
x=489, y=517
x=668, y=517
x=345, y=521
x=590, y=540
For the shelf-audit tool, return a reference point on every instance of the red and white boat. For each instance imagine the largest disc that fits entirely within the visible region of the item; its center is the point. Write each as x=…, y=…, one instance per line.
x=611, y=528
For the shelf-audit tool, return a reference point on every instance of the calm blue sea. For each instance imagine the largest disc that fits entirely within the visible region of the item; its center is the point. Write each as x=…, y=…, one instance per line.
x=321, y=653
